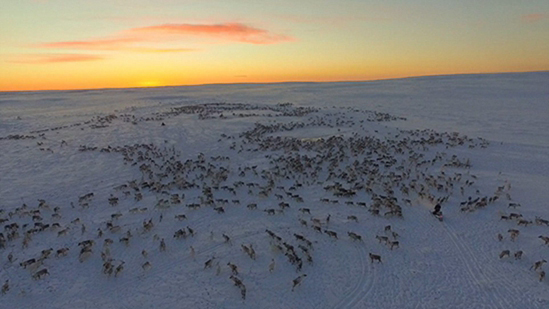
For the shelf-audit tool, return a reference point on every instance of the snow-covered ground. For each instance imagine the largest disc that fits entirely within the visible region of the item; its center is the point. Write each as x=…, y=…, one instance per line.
x=368, y=158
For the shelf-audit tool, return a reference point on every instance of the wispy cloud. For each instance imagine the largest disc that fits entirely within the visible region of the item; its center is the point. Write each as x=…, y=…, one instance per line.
x=162, y=38
x=534, y=17
x=114, y=44
x=236, y=32
x=96, y=44
x=147, y=39
x=54, y=58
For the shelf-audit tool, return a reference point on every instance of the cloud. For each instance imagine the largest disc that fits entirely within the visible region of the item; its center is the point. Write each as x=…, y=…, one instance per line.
x=532, y=18
x=54, y=58
x=98, y=44
x=145, y=39
x=162, y=38
x=228, y=31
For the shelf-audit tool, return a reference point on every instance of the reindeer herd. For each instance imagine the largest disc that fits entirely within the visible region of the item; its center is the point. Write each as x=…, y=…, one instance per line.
x=515, y=232
x=374, y=180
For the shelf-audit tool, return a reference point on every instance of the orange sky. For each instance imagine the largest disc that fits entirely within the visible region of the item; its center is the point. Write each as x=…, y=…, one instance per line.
x=77, y=44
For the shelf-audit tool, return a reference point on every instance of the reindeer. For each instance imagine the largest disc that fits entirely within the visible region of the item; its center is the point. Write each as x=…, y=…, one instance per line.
x=162, y=245
x=352, y=218
x=243, y=291
x=540, y=221
x=86, y=243
x=209, y=263
x=544, y=238
x=62, y=252
x=180, y=233
x=354, y=236
x=393, y=244
x=297, y=281
x=305, y=210
x=27, y=263
x=84, y=254
x=107, y=267
x=192, y=252
x=39, y=274
x=385, y=239
x=541, y=275
x=514, y=233
x=180, y=217
x=146, y=266
x=538, y=264
x=387, y=228
x=119, y=269
x=249, y=250
x=504, y=253
x=148, y=225
x=518, y=255
x=299, y=237
x=374, y=257
x=63, y=232
x=6, y=287
x=500, y=237
x=236, y=281
x=331, y=233
x=234, y=268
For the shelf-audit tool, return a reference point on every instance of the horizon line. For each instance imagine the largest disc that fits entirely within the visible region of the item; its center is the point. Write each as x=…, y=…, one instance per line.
x=276, y=83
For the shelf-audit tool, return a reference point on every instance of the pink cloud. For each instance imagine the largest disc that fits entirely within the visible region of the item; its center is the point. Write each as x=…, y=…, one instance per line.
x=99, y=44
x=55, y=58
x=532, y=18
x=230, y=31
x=144, y=39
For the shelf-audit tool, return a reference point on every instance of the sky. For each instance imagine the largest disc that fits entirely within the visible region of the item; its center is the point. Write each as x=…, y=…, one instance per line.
x=83, y=44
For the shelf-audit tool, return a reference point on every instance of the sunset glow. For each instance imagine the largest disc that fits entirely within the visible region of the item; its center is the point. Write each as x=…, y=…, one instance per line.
x=58, y=44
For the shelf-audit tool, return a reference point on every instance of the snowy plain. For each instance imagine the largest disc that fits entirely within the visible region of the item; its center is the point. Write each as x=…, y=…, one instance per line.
x=358, y=156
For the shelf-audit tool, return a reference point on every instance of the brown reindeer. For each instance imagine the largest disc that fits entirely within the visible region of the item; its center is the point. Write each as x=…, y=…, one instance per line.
x=146, y=266
x=234, y=268
x=62, y=252
x=544, y=238
x=374, y=257
x=504, y=253
x=209, y=263
x=331, y=233
x=518, y=255
x=40, y=274
x=354, y=236
x=538, y=264
x=297, y=281
x=382, y=238
x=6, y=287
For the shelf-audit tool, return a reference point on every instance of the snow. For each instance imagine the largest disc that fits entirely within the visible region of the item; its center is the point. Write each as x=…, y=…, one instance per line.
x=232, y=140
